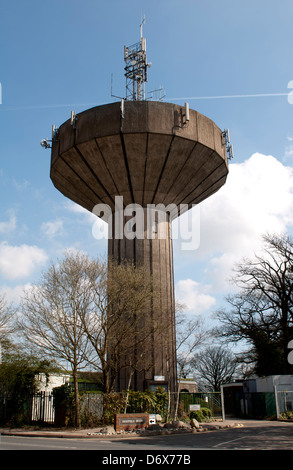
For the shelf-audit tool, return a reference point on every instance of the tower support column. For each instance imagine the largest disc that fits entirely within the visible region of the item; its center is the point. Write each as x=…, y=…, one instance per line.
x=146, y=241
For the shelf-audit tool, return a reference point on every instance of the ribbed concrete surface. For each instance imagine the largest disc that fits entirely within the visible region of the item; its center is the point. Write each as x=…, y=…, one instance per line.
x=159, y=352
x=149, y=157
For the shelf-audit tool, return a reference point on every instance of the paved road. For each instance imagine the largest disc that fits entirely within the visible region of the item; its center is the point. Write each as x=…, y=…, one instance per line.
x=252, y=436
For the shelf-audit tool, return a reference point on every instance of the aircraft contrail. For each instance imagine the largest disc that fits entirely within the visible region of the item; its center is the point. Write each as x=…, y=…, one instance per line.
x=190, y=98
x=255, y=95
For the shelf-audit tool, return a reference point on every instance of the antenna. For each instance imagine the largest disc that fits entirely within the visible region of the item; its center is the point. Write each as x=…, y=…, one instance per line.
x=114, y=96
x=73, y=119
x=141, y=25
x=226, y=141
x=135, y=58
x=136, y=68
x=186, y=112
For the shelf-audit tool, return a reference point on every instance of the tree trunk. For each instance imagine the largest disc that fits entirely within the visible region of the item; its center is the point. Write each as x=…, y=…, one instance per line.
x=177, y=398
x=76, y=400
x=128, y=388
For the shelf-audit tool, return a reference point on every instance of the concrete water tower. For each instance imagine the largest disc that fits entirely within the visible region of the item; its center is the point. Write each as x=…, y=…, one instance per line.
x=148, y=153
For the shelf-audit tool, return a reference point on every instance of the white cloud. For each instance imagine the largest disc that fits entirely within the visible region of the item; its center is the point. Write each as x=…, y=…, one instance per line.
x=13, y=294
x=9, y=226
x=257, y=198
x=53, y=228
x=194, y=296
x=20, y=261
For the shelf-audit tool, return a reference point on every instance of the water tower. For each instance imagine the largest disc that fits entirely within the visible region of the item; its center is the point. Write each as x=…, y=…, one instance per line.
x=146, y=153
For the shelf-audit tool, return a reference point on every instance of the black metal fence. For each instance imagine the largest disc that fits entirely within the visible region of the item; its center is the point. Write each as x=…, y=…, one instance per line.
x=39, y=409
x=36, y=408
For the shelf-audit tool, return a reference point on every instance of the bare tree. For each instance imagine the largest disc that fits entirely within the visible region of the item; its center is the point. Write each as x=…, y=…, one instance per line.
x=214, y=367
x=120, y=327
x=191, y=335
x=51, y=313
x=7, y=322
x=92, y=312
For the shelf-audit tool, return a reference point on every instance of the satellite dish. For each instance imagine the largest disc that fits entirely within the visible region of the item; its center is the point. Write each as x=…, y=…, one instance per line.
x=45, y=144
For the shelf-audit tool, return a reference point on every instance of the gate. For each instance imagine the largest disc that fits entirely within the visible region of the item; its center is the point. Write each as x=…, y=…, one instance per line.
x=42, y=408
x=284, y=402
x=36, y=408
x=211, y=400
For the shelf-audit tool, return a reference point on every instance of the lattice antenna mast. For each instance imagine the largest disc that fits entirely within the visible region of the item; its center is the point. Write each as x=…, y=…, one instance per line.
x=136, y=68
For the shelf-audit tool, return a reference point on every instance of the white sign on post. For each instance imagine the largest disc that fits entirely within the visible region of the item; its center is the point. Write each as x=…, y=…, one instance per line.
x=152, y=419
x=194, y=407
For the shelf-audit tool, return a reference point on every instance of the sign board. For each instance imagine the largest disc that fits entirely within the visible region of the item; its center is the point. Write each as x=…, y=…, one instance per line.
x=194, y=407
x=159, y=378
x=152, y=419
x=131, y=421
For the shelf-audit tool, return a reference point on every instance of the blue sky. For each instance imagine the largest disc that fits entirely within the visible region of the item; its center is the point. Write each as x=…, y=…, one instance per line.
x=231, y=60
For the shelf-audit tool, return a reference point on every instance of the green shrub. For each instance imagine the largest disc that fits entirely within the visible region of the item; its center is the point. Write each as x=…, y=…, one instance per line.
x=161, y=401
x=141, y=402
x=287, y=415
x=113, y=403
x=63, y=397
x=148, y=401
x=198, y=415
x=204, y=414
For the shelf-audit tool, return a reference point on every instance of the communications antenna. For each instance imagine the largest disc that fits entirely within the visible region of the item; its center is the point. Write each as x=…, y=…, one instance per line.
x=135, y=58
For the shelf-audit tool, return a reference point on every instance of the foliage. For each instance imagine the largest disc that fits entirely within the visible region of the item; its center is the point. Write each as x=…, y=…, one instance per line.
x=138, y=402
x=196, y=414
x=63, y=397
x=17, y=381
x=161, y=401
x=204, y=414
x=114, y=403
x=148, y=401
x=287, y=415
x=141, y=402
x=261, y=312
x=207, y=413
x=64, y=403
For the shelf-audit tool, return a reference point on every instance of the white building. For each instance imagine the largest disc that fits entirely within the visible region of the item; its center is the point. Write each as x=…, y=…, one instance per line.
x=46, y=383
